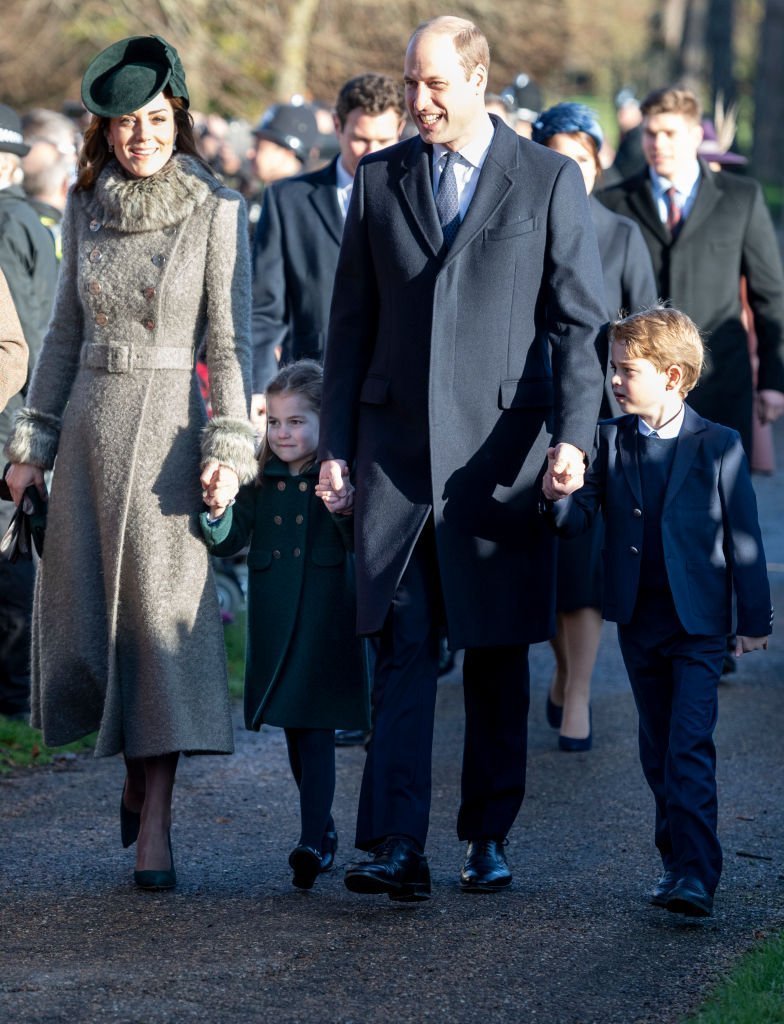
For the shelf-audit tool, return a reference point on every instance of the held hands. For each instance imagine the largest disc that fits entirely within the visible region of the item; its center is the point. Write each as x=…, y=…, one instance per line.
x=770, y=405
x=334, y=487
x=746, y=644
x=565, y=471
x=19, y=477
x=219, y=487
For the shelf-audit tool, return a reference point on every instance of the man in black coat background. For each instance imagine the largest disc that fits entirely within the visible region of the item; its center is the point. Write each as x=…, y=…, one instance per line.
x=296, y=245
x=462, y=343
x=29, y=263
x=704, y=230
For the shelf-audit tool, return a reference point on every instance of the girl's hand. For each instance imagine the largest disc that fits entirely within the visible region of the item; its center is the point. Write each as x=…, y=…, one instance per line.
x=334, y=487
x=19, y=477
x=746, y=644
x=220, y=484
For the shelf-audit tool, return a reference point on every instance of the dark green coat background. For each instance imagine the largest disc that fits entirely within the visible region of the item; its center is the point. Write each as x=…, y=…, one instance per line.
x=304, y=667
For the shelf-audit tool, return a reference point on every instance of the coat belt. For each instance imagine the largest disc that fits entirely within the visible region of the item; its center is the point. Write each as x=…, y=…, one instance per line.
x=129, y=358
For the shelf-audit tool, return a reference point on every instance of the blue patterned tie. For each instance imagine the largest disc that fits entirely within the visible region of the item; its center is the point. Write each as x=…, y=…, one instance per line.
x=447, y=202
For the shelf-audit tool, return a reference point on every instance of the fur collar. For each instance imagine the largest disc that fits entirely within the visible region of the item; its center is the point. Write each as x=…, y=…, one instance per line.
x=148, y=204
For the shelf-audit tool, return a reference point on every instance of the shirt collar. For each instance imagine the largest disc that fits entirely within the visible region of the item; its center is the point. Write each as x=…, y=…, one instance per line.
x=683, y=183
x=475, y=151
x=344, y=179
x=669, y=430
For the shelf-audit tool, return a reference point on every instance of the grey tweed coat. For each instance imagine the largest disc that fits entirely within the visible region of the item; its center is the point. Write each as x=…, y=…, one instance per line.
x=127, y=637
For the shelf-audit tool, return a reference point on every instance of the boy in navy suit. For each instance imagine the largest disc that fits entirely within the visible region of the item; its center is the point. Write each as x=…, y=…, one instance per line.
x=681, y=535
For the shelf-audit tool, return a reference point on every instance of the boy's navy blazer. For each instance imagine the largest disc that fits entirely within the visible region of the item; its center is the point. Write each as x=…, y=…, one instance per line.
x=710, y=531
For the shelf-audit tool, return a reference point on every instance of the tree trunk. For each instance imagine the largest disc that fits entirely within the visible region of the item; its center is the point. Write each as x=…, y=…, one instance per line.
x=769, y=100
x=721, y=17
x=292, y=74
x=693, y=54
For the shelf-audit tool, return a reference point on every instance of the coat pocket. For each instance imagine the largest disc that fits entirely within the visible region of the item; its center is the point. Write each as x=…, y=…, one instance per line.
x=517, y=227
x=259, y=560
x=526, y=394
x=332, y=555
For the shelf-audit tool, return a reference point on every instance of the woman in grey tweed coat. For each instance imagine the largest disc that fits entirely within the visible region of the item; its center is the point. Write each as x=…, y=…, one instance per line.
x=127, y=636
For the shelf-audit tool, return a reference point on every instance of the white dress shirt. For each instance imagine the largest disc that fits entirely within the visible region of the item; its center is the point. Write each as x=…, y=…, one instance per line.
x=345, y=183
x=467, y=168
x=667, y=431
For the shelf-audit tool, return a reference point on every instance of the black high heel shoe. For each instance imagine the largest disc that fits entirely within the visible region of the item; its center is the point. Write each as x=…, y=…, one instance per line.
x=572, y=744
x=153, y=880
x=130, y=822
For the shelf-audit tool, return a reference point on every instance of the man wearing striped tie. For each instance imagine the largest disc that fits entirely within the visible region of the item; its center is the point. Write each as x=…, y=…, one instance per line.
x=704, y=229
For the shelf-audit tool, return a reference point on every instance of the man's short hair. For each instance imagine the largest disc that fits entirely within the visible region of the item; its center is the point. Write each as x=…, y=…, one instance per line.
x=469, y=41
x=672, y=101
x=372, y=94
x=663, y=336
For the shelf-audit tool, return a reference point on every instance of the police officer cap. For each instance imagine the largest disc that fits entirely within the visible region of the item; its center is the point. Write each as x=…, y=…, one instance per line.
x=11, y=140
x=290, y=125
x=128, y=74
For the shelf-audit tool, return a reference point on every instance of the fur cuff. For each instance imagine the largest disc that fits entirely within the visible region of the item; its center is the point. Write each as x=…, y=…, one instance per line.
x=34, y=438
x=232, y=442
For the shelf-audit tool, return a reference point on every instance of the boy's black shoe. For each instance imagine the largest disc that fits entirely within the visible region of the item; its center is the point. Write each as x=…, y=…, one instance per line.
x=396, y=868
x=689, y=896
x=485, y=868
x=661, y=891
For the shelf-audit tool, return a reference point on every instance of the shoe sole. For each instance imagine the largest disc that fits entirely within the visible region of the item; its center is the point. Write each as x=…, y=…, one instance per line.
x=402, y=892
x=658, y=901
x=685, y=907
x=503, y=883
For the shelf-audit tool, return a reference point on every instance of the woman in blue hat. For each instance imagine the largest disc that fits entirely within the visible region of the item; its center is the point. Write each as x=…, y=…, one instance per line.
x=127, y=636
x=573, y=130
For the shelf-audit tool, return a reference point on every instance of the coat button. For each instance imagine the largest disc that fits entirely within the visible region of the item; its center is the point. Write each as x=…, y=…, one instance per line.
x=276, y=553
x=633, y=550
x=101, y=319
x=149, y=324
x=281, y=485
x=159, y=259
x=296, y=552
x=277, y=520
x=96, y=256
x=299, y=520
x=303, y=486
x=149, y=293
x=95, y=225
x=94, y=288
x=637, y=512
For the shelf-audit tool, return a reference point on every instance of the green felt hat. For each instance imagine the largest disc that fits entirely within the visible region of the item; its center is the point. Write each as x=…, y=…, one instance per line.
x=128, y=74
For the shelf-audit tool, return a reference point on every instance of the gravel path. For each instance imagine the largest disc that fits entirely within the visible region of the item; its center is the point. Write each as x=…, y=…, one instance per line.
x=572, y=941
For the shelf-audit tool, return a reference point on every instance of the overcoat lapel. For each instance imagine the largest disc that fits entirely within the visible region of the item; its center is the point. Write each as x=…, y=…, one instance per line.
x=708, y=195
x=627, y=442
x=686, y=449
x=643, y=206
x=416, y=185
x=324, y=198
x=491, y=189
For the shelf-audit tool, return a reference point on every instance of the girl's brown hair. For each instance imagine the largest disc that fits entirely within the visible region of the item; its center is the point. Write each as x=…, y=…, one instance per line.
x=304, y=378
x=95, y=153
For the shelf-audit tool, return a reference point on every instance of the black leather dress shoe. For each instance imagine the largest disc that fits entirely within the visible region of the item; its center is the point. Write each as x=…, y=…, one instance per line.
x=485, y=868
x=690, y=897
x=395, y=869
x=329, y=847
x=305, y=862
x=661, y=891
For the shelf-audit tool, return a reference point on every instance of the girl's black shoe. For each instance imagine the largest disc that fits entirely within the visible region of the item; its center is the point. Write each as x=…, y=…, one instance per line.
x=305, y=862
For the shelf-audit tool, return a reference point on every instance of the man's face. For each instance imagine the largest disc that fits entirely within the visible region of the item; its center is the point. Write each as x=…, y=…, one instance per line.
x=272, y=162
x=365, y=133
x=444, y=105
x=670, y=143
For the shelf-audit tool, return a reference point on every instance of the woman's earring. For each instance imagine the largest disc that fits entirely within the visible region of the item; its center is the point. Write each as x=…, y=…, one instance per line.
x=174, y=145
x=111, y=148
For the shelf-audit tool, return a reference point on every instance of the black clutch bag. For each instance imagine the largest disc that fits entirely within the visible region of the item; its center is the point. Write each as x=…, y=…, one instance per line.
x=27, y=526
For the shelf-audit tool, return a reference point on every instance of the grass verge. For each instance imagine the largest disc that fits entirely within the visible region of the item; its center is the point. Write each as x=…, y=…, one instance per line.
x=754, y=991
x=234, y=635
x=22, y=747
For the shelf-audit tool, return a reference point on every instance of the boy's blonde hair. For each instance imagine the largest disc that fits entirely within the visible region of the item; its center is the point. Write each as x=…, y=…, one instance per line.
x=663, y=336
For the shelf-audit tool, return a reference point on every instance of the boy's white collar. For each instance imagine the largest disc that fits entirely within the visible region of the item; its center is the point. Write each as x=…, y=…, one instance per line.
x=670, y=429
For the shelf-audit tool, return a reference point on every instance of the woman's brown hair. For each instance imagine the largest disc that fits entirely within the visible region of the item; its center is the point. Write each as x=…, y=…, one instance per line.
x=95, y=153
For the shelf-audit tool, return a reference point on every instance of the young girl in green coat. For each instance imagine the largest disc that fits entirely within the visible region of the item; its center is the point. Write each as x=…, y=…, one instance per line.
x=301, y=604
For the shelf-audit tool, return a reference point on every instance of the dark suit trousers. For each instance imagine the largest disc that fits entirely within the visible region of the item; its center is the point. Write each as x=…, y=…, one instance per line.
x=396, y=785
x=674, y=679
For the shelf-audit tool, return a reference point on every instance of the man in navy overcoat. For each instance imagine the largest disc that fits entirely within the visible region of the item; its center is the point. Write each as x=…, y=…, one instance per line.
x=452, y=361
